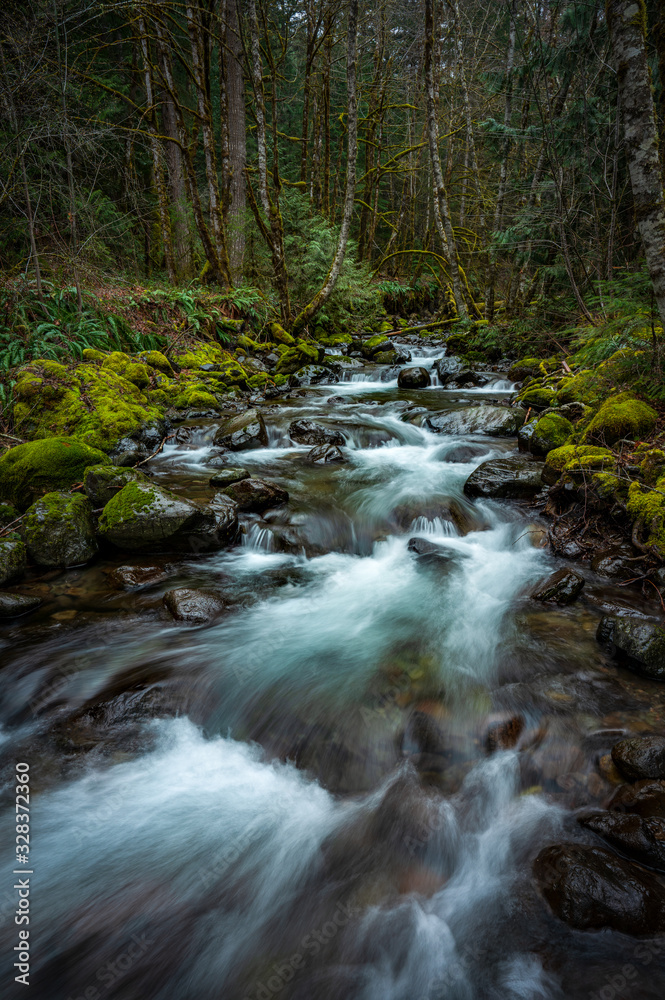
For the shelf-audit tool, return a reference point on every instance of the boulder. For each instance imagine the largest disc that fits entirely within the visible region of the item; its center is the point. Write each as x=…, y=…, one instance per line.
x=549, y=432
x=323, y=454
x=642, y=839
x=505, y=479
x=144, y=517
x=494, y=421
x=637, y=642
x=612, y=562
x=562, y=587
x=447, y=367
x=621, y=416
x=413, y=378
x=312, y=375
x=12, y=560
x=243, y=432
x=226, y=476
x=129, y=577
x=465, y=379
x=13, y=605
x=369, y=348
x=102, y=482
x=195, y=606
x=590, y=888
x=59, y=532
x=644, y=798
x=30, y=470
x=428, y=551
x=309, y=432
x=464, y=517
x=256, y=495
x=639, y=757
x=464, y=453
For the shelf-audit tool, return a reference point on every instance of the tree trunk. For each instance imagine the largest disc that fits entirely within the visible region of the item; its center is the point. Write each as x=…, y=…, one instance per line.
x=237, y=141
x=440, y=200
x=352, y=153
x=627, y=21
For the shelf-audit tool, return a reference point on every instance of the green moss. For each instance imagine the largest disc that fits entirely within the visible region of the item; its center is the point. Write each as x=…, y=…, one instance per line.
x=525, y=368
x=652, y=466
x=123, y=507
x=379, y=339
x=90, y=354
x=280, y=336
x=8, y=514
x=551, y=432
x=201, y=354
x=30, y=470
x=648, y=506
x=609, y=487
x=258, y=380
x=123, y=365
x=158, y=361
x=335, y=339
x=621, y=417
x=195, y=396
x=585, y=455
x=248, y=344
x=386, y=327
x=537, y=396
x=296, y=357
x=581, y=388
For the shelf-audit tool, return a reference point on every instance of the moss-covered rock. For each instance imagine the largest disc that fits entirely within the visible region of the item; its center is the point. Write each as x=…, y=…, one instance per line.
x=280, y=335
x=94, y=404
x=297, y=357
x=37, y=467
x=8, y=514
x=196, y=397
x=647, y=505
x=336, y=339
x=538, y=397
x=13, y=559
x=247, y=430
x=551, y=431
x=526, y=368
x=90, y=354
x=621, y=416
x=102, y=482
x=609, y=487
x=375, y=344
x=249, y=344
x=58, y=530
x=576, y=458
x=652, y=466
x=133, y=371
x=385, y=358
x=158, y=361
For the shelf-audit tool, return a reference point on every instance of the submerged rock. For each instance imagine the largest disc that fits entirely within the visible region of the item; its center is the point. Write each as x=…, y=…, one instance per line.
x=591, y=888
x=129, y=577
x=562, y=587
x=196, y=606
x=640, y=757
x=256, y=495
x=494, y=421
x=30, y=470
x=102, y=482
x=323, y=454
x=13, y=605
x=59, y=532
x=638, y=643
x=12, y=560
x=413, y=378
x=465, y=379
x=243, y=432
x=309, y=432
x=645, y=798
x=642, y=839
x=228, y=475
x=505, y=478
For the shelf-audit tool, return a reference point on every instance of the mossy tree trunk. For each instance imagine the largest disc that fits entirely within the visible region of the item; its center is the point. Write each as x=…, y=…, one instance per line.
x=627, y=21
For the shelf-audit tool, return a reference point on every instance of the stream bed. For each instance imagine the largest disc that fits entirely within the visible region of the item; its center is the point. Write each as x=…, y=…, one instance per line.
x=335, y=788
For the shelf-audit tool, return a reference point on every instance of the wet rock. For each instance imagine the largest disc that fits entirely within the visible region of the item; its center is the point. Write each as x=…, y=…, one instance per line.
x=195, y=606
x=312, y=375
x=256, y=495
x=102, y=482
x=243, y=432
x=644, y=798
x=590, y=888
x=59, y=532
x=564, y=543
x=323, y=454
x=130, y=577
x=502, y=732
x=413, y=378
x=309, y=432
x=13, y=605
x=447, y=367
x=494, y=421
x=145, y=517
x=465, y=519
x=27, y=471
x=611, y=562
x=638, y=643
x=424, y=549
x=128, y=451
x=13, y=560
x=389, y=374
x=642, y=839
x=464, y=453
x=228, y=475
x=505, y=478
x=465, y=379
x=562, y=587
x=640, y=757
x=550, y=431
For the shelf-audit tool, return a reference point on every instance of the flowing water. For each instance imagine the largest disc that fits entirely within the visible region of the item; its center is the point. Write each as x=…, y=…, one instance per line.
x=304, y=798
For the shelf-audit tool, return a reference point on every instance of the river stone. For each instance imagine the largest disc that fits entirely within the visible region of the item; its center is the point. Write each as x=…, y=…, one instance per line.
x=256, y=495
x=413, y=378
x=30, y=470
x=128, y=577
x=464, y=453
x=428, y=551
x=562, y=587
x=494, y=421
x=12, y=560
x=611, y=562
x=145, y=517
x=638, y=643
x=243, y=432
x=59, y=532
x=323, y=454
x=228, y=475
x=505, y=479
x=640, y=757
x=465, y=518
x=309, y=432
x=465, y=379
x=642, y=839
x=102, y=482
x=13, y=605
x=196, y=606
x=645, y=798
x=447, y=367
x=590, y=888
x=311, y=375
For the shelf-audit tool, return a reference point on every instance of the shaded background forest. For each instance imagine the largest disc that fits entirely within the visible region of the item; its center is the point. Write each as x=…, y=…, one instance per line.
x=134, y=136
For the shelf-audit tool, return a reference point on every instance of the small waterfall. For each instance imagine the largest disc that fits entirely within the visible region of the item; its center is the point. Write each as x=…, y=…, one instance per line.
x=259, y=539
x=434, y=526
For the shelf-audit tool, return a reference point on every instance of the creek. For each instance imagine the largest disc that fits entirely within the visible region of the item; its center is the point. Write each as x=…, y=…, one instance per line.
x=336, y=789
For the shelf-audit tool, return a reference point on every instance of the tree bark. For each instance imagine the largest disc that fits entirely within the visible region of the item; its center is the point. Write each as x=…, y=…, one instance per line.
x=327, y=289
x=237, y=140
x=627, y=21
